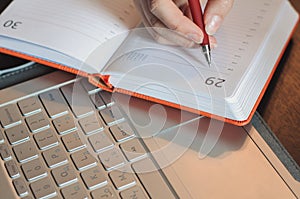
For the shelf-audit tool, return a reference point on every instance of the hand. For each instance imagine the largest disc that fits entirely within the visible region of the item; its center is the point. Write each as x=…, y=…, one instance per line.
x=175, y=15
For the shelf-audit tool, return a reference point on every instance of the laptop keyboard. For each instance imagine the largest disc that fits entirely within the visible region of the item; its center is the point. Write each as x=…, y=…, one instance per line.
x=64, y=145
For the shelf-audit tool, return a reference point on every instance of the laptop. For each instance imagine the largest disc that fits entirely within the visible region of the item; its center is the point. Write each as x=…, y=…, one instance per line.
x=61, y=137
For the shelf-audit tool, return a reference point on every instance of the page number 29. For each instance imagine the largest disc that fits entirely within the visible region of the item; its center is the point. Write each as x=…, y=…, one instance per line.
x=12, y=24
x=214, y=81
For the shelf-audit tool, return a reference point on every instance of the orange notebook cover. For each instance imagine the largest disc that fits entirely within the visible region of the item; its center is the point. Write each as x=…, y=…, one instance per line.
x=236, y=83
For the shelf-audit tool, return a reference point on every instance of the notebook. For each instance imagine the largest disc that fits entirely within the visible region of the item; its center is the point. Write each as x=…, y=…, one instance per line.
x=96, y=39
x=60, y=137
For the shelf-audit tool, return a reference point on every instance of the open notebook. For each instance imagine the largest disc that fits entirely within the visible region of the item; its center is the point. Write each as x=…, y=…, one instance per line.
x=92, y=38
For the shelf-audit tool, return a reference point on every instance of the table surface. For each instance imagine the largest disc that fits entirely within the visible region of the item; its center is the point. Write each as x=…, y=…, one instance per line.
x=280, y=107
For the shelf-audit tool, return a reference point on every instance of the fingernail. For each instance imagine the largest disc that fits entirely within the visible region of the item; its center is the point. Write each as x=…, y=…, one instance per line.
x=195, y=38
x=213, y=45
x=213, y=25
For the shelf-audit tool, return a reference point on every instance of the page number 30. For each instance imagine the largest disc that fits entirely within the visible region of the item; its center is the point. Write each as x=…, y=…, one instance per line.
x=12, y=24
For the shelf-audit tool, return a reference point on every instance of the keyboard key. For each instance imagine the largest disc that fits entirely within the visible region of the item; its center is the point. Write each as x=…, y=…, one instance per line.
x=98, y=101
x=29, y=106
x=105, y=192
x=54, y=103
x=55, y=156
x=64, y=175
x=34, y=170
x=100, y=141
x=152, y=179
x=5, y=152
x=20, y=187
x=64, y=124
x=74, y=191
x=78, y=99
x=91, y=124
x=17, y=134
x=90, y=88
x=55, y=197
x=111, y=158
x=72, y=141
x=46, y=139
x=9, y=116
x=133, y=149
x=37, y=122
x=1, y=137
x=121, y=132
x=83, y=159
x=43, y=188
x=134, y=192
x=122, y=178
x=94, y=177
x=107, y=98
x=25, y=151
x=12, y=169
x=30, y=197
x=111, y=115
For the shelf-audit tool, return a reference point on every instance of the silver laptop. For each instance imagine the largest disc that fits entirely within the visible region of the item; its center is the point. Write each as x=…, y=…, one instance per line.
x=60, y=137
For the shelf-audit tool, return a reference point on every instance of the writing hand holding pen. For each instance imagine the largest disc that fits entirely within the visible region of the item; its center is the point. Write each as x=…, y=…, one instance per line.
x=176, y=15
x=197, y=15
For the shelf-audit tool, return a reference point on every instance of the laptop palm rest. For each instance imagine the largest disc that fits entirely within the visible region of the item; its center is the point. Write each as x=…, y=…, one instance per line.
x=203, y=157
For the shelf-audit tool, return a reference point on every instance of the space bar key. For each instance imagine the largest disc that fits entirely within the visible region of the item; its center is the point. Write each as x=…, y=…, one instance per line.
x=152, y=180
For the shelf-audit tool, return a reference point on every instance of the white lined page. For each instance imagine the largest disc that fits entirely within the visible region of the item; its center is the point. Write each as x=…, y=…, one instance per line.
x=242, y=35
x=72, y=27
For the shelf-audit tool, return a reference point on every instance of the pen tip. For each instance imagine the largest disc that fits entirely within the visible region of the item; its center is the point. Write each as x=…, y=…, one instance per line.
x=206, y=51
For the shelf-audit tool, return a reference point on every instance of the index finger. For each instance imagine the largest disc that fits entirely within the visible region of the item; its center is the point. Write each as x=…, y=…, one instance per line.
x=170, y=15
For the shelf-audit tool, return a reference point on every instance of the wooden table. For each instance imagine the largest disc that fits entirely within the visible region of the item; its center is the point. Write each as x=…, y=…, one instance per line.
x=280, y=107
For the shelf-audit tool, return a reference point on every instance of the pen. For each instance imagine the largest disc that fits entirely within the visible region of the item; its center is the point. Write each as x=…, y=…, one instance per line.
x=197, y=15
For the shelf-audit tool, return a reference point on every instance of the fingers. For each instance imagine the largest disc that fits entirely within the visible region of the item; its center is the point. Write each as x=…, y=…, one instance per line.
x=172, y=17
x=175, y=15
x=214, y=14
x=162, y=24
x=166, y=36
